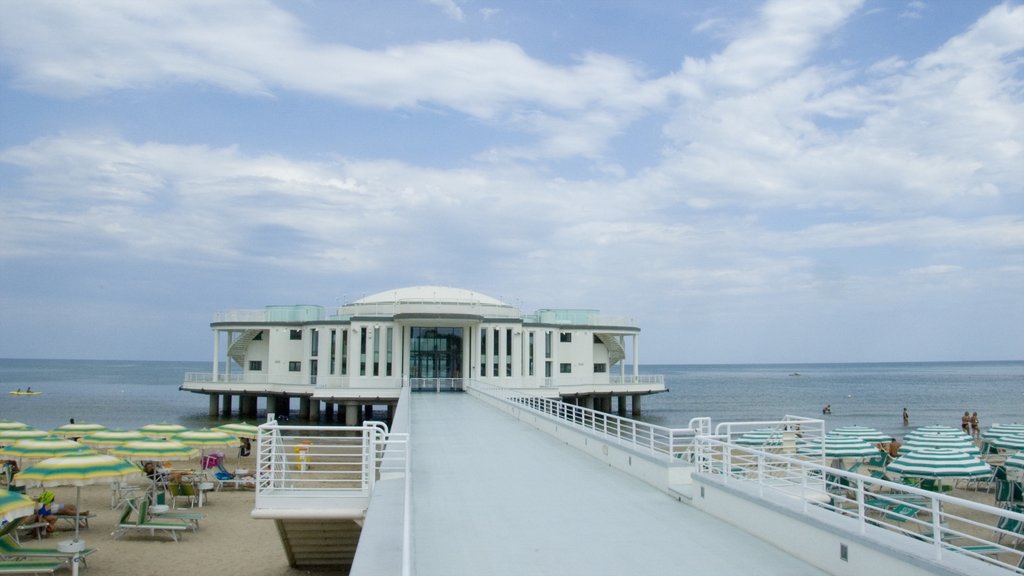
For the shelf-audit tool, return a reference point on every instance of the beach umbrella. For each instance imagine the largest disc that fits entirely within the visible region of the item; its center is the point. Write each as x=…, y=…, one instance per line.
x=42, y=448
x=865, y=433
x=12, y=436
x=78, y=470
x=962, y=444
x=111, y=438
x=1011, y=441
x=939, y=463
x=838, y=446
x=162, y=430
x=761, y=437
x=240, y=429
x=15, y=505
x=80, y=429
x=12, y=425
x=159, y=450
x=938, y=429
x=997, y=430
x=206, y=438
x=1015, y=465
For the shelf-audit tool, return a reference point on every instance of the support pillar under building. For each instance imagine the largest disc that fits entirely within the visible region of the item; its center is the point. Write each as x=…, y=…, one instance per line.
x=214, y=402
x=226, y=405
x=636, y=404
x=351, y=414
x=314, y=410
x=304, y=407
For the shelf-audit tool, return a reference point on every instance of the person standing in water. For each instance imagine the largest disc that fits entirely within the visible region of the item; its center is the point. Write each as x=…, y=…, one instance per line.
x=906, y=417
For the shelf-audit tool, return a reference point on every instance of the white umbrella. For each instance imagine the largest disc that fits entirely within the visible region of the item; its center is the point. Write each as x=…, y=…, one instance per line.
x=865, y=433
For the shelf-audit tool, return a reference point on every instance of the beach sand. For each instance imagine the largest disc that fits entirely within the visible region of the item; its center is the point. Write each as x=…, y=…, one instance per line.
x=228, y=542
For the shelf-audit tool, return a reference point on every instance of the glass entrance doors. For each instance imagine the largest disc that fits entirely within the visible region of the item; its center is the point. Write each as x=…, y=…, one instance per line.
x=435, y=352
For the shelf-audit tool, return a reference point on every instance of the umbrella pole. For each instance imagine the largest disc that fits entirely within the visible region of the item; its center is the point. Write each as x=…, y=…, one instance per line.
x=76, y=558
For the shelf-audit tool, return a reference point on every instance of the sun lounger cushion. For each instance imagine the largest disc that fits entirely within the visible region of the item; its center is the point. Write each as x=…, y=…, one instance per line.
x=17, y=567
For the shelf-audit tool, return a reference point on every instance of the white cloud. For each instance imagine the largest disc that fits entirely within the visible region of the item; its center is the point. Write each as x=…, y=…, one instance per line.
x=449, y=7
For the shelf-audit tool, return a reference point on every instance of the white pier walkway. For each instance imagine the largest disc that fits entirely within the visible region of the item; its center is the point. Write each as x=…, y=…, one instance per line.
x=494, y=496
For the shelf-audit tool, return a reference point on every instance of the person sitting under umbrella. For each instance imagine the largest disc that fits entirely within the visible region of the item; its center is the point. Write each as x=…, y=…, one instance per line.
x=49, y=510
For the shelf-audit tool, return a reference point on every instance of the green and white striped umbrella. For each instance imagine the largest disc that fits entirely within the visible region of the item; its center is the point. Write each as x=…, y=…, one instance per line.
x=111, y=438
x=15, y=505
x=206, y=438
x=12, y=425
x=78, y=470
x=963, y=444
x=937, y=429
x=1015, y=466
x=42, y=448
x=865, y=433
x=162, y=430
x=761, y=437
x=1011, y=441
x=159, y=450
x=240, y=429
x=939, y=463
x=12, y=436
x=997, y=430
x=838, y=446
x=78, y=429
x=957, y=434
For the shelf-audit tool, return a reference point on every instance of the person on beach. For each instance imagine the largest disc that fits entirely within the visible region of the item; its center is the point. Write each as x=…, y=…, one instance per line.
x=48, y=510
x=827, y=409
x=245, y=448
x=975, y=426
x=906, y=417
x=965, y=422
x=894, y=448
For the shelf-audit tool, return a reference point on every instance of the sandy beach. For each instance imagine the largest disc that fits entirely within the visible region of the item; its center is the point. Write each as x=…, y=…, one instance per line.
x=229, y=541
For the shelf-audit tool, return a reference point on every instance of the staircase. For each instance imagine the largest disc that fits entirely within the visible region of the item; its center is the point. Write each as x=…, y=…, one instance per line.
x=615, y=350
x=320, y=542
x=237, y=349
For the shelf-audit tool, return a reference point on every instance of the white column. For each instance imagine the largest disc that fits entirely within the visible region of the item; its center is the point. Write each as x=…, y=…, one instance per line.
x=502, y=352
x=622, y=365
x=216, y=354
x=636, y=357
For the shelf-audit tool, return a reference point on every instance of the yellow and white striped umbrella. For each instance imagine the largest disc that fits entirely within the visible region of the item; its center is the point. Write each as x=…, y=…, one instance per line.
x=158, y=450
x=162, y=430
x=111, y=438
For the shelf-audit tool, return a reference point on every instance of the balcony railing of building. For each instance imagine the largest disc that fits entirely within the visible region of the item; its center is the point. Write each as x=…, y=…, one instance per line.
x=664, y=443
x=321, y=471
x=937, y=525
x=436, y=384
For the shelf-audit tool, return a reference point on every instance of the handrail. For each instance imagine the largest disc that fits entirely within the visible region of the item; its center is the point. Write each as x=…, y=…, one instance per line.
x=311, y=460
x=641, y=437
x=953, y=525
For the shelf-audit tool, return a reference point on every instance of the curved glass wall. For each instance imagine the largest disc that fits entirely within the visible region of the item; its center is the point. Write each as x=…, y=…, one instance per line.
x=435, y=352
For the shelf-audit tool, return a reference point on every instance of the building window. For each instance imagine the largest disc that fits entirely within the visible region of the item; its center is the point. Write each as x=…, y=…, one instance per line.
x=295, y=366
x=565, y=337
x=600, y=368
x=565, y=368
x=547, y=369
x=295, y=335
x=314, y=342
x=255, y=365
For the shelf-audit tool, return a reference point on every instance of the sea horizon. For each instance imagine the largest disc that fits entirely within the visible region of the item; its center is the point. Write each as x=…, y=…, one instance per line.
x=132, y=393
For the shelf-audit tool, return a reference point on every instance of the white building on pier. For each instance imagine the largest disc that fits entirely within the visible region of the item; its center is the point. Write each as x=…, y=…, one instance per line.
x=428, y=337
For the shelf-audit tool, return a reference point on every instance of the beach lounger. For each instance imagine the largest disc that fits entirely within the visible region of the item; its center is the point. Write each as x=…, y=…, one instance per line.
x=190, y=518
x=26, y=567
x=11, y=550
x=125, y=525
x=68, y=520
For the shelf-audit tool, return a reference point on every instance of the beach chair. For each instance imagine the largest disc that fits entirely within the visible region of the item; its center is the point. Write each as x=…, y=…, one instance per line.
x=11, y=550
x=143, y=523
x=185, y=490
x=68, y=520
x=29, y=567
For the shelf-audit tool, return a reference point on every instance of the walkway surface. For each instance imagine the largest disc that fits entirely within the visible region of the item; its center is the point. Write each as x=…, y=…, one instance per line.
x=494, y=496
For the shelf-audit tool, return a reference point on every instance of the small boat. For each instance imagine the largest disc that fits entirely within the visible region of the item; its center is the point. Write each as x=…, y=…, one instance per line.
x=24, y=393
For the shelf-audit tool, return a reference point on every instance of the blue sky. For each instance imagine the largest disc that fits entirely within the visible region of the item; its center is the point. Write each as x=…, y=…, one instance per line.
x=798, y=181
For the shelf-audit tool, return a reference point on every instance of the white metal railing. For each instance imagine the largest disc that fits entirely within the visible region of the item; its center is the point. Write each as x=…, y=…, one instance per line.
x=949, y=524
x=436, y=384
x=313, y=460
x=641, y=437
x=638, y=379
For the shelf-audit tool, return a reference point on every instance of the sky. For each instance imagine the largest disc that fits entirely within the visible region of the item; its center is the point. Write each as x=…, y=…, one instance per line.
x=750, y=182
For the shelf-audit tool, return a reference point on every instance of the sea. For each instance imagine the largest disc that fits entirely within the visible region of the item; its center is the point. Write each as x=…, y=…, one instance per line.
x=130, y=394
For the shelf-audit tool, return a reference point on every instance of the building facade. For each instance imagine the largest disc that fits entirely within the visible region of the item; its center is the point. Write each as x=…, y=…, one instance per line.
x=427, y=337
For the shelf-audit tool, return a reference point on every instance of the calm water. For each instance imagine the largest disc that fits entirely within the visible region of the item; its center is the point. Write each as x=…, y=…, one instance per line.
x=129, y=394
